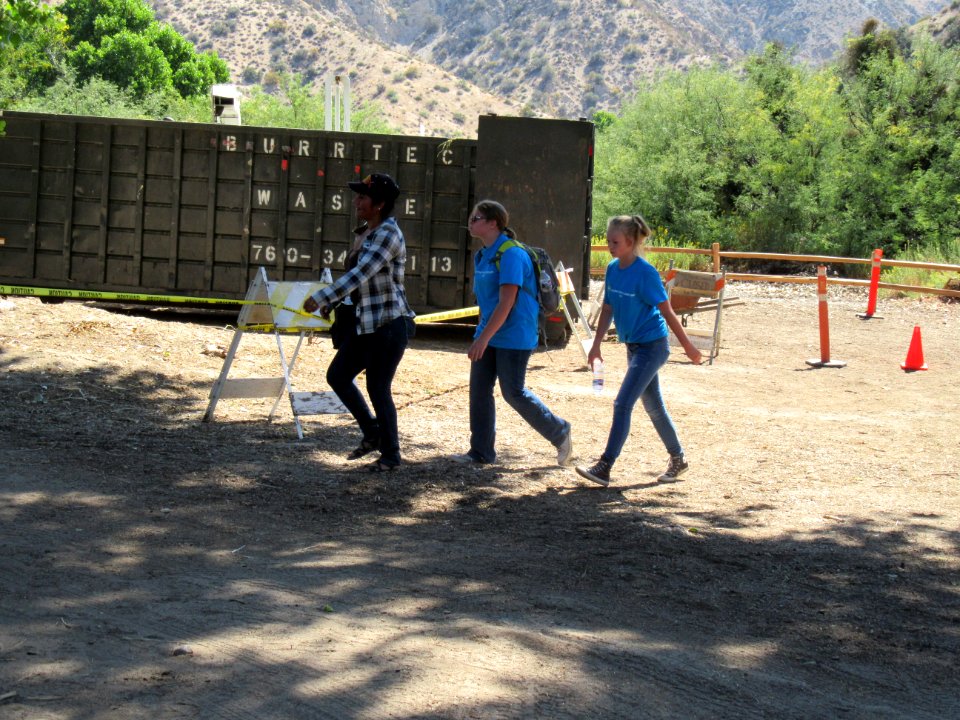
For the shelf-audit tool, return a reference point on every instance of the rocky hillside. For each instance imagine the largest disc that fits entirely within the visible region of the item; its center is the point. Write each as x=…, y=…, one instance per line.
x=260, y=39
x=945, y=25
x=434, y=65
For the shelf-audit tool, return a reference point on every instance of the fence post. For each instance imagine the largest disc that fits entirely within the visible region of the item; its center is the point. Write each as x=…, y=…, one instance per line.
x=824, y=360
x=715, y=252
x=874, y=285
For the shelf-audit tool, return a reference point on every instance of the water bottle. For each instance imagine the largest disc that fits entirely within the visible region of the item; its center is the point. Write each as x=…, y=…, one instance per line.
x=597, y=376
x=546, y=282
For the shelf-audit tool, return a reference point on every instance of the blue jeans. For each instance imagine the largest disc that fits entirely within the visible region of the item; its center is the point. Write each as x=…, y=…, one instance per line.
x=510, y=368
x=644, y=361
x=379, y=353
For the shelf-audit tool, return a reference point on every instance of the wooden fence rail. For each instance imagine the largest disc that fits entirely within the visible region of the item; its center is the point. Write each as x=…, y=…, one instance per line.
x=717, y=255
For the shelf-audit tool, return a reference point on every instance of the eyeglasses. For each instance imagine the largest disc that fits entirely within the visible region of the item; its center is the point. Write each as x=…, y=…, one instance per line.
x=477, y=218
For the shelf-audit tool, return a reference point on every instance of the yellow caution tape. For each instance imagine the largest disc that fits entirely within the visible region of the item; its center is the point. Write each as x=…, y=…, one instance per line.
x=448, y=315
x=66, y=294
x=136, y=297
x=268, y=328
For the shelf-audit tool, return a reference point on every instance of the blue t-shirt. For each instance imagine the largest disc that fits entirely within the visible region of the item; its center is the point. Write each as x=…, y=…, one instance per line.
x=519, y=331
x=634, y=294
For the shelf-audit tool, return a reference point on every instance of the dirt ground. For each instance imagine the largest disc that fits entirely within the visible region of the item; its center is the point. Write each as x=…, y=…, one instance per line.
x=154, y=566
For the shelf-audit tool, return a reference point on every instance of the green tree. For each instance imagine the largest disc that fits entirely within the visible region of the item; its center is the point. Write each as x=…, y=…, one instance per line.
x=742, y=159
x=603, y=119
x=900, y=178
x=30, y=63
x=774, y=75
x=792, y=174
x=873, y=41
x=128, y=60
x=120, y=41
x=94, y=20
x=779, y=157
x=683, y=155
x=17, y=18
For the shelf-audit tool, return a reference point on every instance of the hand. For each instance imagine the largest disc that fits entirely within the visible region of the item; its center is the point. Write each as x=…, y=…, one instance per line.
x=477, y=349
x=696, y=357
x=325, y=312
x=310, y=305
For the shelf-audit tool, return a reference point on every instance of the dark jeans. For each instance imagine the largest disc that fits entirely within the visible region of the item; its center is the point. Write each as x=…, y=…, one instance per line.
x=379, y=354
x=510, y=368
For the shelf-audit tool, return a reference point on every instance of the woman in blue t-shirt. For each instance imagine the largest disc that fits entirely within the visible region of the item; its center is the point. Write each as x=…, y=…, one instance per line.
x=507, y=333
x=636, y=301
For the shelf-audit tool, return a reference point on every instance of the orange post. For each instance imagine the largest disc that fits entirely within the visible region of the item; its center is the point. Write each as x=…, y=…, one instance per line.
x=824, y=314
x=824, y=360
x=874, y=285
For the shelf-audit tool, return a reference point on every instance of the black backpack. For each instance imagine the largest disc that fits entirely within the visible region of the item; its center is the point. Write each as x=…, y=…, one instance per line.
x=548, y=285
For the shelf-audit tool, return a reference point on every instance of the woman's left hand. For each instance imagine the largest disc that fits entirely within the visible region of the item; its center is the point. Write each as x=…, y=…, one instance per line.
x=477, y=348
x=310, y=305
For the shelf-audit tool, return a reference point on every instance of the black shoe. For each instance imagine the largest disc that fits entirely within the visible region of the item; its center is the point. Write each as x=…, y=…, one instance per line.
x=365, y=448
x=599, y=472
x=467, y=459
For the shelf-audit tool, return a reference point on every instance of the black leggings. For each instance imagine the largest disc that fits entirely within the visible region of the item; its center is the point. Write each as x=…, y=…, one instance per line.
x=379, y=353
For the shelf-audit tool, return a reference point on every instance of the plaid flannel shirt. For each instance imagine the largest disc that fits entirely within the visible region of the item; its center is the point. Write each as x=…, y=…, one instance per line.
x=379, y=278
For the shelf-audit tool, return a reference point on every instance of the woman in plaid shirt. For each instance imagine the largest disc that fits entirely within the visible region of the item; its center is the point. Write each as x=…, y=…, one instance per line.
x=374, y=280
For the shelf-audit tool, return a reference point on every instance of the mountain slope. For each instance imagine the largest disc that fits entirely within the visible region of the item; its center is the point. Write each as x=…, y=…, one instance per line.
x=944, y=26
x=434, y=65
x=294, y=36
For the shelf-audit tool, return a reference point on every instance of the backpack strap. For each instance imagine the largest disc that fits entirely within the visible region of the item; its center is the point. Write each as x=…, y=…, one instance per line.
x=507, y=244
x=511, y=243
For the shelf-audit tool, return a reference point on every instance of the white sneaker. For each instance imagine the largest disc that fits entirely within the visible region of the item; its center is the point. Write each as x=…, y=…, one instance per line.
x=565, y=449
x=466, y=459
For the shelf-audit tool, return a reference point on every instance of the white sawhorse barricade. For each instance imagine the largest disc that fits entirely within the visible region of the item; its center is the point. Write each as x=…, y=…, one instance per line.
x=568, y=296
x=692, y=292
x=275, y=307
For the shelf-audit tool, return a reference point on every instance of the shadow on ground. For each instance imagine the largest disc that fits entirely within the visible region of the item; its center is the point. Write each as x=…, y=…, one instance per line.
x=142, y=550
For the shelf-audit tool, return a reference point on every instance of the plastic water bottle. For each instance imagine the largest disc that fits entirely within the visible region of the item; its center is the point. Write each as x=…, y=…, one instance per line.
x=546, y=282
x=597, y=376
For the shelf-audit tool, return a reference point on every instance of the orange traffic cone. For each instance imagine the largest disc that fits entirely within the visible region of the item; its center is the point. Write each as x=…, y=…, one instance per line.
x=914, y=359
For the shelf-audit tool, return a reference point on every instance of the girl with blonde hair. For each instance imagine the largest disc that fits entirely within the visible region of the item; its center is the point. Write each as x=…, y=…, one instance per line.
x=636, y=301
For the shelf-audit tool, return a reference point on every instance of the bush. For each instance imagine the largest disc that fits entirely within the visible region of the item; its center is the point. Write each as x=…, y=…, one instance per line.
x=271, y=80
x=547, y=76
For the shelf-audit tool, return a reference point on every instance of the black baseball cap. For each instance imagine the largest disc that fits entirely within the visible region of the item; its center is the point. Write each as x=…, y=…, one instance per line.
x=378, y=186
